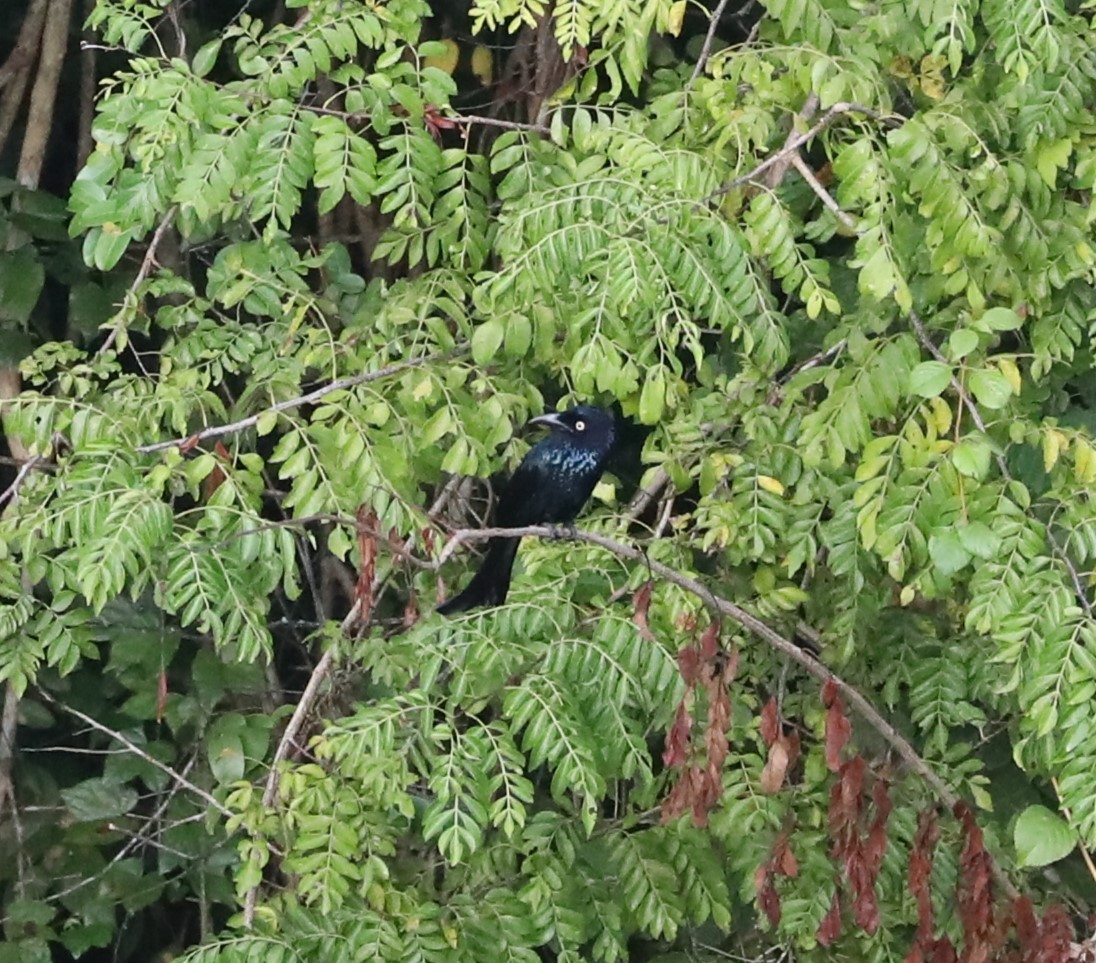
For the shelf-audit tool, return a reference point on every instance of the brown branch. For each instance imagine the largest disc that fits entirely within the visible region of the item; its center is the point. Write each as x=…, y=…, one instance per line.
x=43, y=96
x=7, y=746
x=16, y=69
x=143, y=272
x=480, y=120
x=824, y=195
x=1002, y=466
x=216, y=431
x=28, y=466
x=794, y=142
x=787, y=154
x=709, y=38
x=786, y=647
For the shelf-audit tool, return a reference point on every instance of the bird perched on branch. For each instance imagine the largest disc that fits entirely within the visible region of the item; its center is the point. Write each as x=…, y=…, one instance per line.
x=550, y=486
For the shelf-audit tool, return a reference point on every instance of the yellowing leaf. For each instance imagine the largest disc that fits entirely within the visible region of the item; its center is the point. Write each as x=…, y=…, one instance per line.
x=446, y=61
x=1008, y=368
x=677, y=18
x=1053, y=443
x=483, y=64
x=770, y=484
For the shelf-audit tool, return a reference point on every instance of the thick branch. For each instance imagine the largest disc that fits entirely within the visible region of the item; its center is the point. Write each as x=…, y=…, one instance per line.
x=216, y=431
x=43, y=97
x=769, y=636
x=1002, y=465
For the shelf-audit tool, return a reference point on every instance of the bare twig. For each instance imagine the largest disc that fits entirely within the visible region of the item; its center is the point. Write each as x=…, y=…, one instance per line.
x=216, y=431
x=138, y=751
x=775, y=175
x=786, y=647
x=824, y=195
x=709, y=38
x=1002, y=465
x=480, y=120
x=647, y=494
x=146, y=267
x=16, y=70
x=28, y=466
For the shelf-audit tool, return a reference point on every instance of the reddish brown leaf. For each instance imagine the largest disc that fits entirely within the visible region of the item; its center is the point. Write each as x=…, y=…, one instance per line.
x=838, y=730
x=161, y=696
x=688, y=664
x=367, y=552
x=677, y=739
x=767, y=896
x=411, y=611
x=770, y=722
x=776, y=767
x=190, y=444
x=641, y=602
x=829, y=691
x=974, y=904
x=830, y=927
x=920, y=872
x=215, y=478
x=942, y=951
x=709, y=642
x=876, y=843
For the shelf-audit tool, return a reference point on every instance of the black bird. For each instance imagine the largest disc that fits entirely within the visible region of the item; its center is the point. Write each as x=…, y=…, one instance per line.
x=550, y=486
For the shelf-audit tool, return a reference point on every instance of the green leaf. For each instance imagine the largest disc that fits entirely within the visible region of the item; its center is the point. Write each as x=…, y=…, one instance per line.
x=1000, y=319
x=652, y=398
x=948, y=553
x=97, y=799
x=961, y=343
x=206, y=57
x=990, y=388
x=971, y=457
x=1042, y=837
x=486, y=340
x=930, y=378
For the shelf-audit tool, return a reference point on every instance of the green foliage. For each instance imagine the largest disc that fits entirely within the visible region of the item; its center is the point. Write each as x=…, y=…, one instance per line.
x=918, y=492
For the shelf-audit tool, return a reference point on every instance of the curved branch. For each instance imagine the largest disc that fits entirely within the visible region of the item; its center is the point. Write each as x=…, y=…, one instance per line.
x=216, y=431
x=727, y=609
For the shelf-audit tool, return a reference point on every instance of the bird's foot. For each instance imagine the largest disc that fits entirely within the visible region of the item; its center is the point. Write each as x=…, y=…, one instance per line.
x=565, y=533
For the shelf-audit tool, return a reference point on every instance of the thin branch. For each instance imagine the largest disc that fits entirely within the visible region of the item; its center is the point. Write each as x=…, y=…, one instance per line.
x=773, y=639
x=480, y=120
x=824, y=195
x=216, y=431
x=709, y=39
x=647, y=494
x=143, y=272
x=794, y=143
x=138, y=751
x=28, y=466
x=1002, y=465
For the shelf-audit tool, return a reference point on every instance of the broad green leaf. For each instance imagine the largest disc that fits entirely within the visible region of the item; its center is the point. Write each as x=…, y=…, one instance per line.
x=990, y=388
x=930, y=378
x=1042, y=837
x=98, y=799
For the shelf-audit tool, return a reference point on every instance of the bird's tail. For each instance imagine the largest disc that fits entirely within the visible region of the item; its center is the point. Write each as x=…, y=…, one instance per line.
x=490, y=584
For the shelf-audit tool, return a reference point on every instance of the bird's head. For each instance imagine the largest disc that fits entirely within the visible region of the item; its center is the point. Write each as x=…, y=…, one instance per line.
x=582, y=425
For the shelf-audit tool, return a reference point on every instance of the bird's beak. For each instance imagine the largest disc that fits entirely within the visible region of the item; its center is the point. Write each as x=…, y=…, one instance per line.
x=551, y=420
